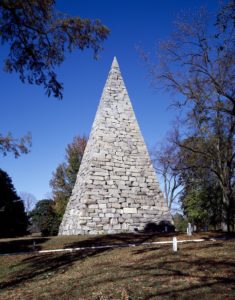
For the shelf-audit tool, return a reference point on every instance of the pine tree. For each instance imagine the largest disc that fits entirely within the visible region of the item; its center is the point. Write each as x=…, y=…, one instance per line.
x=13, y=219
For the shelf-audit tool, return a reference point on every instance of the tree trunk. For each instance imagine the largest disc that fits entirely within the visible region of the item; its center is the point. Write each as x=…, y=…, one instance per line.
x=226, y=214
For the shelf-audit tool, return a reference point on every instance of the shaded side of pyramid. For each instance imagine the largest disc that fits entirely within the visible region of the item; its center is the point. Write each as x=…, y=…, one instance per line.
x=116, y=188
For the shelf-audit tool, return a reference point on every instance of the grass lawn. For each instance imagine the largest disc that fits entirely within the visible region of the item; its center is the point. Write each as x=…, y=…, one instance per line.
x=205, y=270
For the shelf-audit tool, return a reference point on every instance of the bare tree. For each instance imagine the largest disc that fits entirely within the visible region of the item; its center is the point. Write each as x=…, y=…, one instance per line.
x=29, y=201
x=165, y=162
x=17, y=146
x=198, y=64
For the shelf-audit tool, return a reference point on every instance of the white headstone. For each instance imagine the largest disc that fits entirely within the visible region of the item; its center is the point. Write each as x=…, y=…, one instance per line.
x=189, y=229
x=174, y=244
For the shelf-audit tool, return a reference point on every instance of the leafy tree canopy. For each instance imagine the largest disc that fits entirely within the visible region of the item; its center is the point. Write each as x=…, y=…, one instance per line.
x=38, y=37
x=180, y=222
x=44, y=217
x=63, y=179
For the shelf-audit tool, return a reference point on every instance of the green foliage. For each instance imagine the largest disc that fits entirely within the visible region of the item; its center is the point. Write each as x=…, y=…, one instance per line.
x=180, y=222
x=196, y=207
x=202, y=199
x=39, y=36
x=13, y=219
x=45, y=218
x=64, y=177
x=202, y=204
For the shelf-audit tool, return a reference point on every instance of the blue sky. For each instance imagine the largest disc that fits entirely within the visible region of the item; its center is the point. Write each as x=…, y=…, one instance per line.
x=54, y=123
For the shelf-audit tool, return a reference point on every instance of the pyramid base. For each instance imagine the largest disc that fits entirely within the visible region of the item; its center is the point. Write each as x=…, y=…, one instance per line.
x=162, y=224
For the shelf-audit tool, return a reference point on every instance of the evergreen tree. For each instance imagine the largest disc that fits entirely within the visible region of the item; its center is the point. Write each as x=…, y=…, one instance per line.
x=203, y=206
x=13, y=219
x=45, y=218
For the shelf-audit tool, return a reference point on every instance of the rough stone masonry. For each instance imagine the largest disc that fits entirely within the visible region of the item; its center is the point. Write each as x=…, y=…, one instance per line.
x=116, y=188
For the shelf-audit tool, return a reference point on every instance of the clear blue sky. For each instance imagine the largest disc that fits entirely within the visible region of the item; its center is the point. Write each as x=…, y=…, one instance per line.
x=54, y=123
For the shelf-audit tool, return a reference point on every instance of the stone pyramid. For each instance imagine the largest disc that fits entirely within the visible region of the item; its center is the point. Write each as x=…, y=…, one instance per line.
x=116, y=188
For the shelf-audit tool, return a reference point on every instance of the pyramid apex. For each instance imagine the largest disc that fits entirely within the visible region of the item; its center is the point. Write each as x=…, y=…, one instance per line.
x=115, y=63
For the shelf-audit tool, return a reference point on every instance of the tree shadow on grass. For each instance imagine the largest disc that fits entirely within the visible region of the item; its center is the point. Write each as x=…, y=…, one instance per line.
x=190, y=246
x=178, y=275
x=31, y=244
x=213, y=274
x=40, y=265
x=215, y=287
x=21, y=244
x=44, y=265
x=207, y=235
x=181, y=265
x=121, y=239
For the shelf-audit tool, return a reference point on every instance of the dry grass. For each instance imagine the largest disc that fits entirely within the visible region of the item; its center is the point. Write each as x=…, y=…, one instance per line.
x=205, y=270
x=29, y=243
